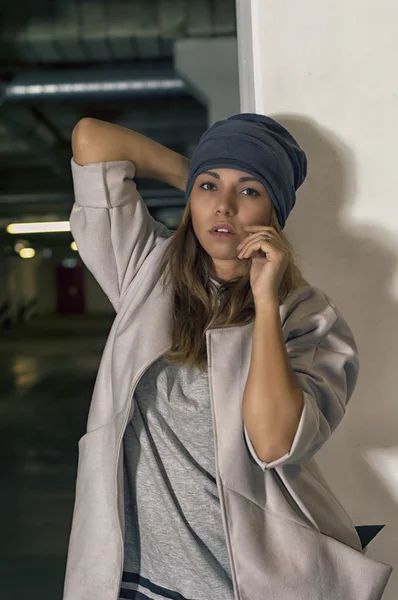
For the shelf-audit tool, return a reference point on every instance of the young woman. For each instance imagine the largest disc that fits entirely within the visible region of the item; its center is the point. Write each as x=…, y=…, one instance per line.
x=223, y=375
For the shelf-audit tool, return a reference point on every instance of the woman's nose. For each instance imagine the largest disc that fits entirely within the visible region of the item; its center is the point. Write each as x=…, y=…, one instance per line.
x=227, y=199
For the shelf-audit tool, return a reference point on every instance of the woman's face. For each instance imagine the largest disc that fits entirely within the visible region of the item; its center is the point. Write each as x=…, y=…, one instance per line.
x=231, y=196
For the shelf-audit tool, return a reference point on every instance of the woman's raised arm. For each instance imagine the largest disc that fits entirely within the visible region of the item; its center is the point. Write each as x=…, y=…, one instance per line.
x=96, y=141
x=110, y=223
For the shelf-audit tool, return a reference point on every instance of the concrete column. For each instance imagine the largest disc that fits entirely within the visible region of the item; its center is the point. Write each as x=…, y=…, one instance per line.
x=22, y=286
x=210, y=66
x=14, y=289
x=4, y=305
x=3, y=277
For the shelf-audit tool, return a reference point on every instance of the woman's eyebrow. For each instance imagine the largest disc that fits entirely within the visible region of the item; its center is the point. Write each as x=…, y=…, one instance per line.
x=241, y=179
x=212, y=173
x=248, y=179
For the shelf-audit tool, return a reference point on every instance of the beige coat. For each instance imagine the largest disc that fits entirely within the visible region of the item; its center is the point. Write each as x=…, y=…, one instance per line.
x=288, y=538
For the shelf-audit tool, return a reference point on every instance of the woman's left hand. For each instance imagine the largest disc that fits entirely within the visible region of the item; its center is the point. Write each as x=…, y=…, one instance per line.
x=267, y=271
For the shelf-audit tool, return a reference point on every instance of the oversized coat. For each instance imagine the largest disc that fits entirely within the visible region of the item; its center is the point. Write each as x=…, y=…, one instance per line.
x=288, y=537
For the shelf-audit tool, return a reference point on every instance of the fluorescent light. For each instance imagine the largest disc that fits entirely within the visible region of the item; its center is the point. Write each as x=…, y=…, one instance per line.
x=44, y=227
x=27, y=253
x=94, y=86
x=74, y=246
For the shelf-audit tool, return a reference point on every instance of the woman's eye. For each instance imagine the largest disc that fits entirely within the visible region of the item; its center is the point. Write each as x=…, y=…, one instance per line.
x=207, y=183
x=256, y=193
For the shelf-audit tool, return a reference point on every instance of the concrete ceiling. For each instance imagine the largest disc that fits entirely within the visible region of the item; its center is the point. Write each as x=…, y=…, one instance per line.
x=121, y=55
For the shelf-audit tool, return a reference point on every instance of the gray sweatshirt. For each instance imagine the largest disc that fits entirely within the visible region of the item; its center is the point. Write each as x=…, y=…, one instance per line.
x=174, y=539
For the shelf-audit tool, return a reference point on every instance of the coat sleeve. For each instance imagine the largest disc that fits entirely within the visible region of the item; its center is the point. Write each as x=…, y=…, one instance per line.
x=111, y=224
x=324, y=356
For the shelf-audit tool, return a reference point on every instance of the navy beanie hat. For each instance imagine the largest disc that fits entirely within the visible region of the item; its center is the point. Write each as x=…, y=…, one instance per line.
x=259, y=146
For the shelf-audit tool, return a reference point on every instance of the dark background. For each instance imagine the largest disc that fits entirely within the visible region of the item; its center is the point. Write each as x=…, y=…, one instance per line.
x=61, y=61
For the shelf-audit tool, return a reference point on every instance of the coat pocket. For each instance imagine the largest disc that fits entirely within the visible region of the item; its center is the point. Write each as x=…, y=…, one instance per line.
x=274, y=557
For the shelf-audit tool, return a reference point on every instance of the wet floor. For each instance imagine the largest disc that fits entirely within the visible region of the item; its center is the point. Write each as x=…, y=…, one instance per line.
x=48, y=370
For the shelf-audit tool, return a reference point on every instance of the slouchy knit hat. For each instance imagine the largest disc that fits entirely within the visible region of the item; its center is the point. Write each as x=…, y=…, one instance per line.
x=259, y=146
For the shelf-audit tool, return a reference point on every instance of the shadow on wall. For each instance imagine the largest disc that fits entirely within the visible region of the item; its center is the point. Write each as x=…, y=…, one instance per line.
x=355, y=264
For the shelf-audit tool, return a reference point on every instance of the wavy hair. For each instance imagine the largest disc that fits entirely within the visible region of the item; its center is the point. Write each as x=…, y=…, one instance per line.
x=198, y=304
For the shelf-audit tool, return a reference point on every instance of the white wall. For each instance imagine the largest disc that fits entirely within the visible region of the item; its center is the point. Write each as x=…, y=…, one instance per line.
x=328, y=72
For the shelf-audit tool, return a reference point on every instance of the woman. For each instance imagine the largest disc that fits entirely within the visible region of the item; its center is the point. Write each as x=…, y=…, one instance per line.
x=223, y=374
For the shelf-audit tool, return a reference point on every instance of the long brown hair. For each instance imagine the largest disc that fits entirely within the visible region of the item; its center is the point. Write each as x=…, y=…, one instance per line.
x=197, y=304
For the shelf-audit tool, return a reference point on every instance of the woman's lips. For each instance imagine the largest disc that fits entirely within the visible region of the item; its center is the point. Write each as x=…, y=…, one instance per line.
x=222, y=234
